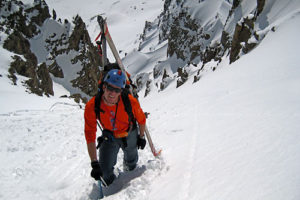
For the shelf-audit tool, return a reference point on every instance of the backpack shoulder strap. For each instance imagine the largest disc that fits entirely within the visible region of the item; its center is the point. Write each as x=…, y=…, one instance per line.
x=127, y=105
x=98, y=101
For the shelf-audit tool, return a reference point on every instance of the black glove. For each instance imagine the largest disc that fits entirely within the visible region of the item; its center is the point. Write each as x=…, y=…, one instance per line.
x=96, y=171
x=141, y=142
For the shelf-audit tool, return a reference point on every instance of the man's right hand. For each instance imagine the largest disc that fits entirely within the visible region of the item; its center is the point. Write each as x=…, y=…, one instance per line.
x=141, y=142
x=96, y=171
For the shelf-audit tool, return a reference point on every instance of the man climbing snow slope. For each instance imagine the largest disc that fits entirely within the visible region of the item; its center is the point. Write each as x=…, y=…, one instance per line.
x=117, y=112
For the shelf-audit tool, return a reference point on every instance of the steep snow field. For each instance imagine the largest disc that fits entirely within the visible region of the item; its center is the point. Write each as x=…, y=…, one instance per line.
x=232, y=135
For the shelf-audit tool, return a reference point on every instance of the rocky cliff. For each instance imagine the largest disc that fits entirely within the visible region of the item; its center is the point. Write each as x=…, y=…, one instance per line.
x=200, y=34
x=48, y=50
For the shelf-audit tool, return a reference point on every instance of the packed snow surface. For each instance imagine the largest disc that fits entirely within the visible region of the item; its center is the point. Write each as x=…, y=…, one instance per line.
x=232, y=135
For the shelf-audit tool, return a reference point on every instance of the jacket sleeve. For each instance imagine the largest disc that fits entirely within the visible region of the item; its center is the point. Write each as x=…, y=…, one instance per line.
x=137, y=110
x=90, y=121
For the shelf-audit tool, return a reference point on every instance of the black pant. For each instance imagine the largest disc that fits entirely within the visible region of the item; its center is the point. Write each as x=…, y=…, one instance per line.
x=109, y=151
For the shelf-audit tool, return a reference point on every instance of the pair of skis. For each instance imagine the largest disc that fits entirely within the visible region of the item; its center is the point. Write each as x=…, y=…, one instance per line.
x=106, y=37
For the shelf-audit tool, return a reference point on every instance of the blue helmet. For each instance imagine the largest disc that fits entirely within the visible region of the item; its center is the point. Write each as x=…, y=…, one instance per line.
x=116, y=77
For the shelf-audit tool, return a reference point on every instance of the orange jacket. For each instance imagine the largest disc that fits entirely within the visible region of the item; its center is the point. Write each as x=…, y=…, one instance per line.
x=107, y=118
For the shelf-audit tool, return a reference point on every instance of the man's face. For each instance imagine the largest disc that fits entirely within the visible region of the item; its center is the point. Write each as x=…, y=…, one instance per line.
x=111, y=93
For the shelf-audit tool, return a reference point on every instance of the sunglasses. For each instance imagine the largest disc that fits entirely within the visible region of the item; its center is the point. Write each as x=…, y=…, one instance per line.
x=113, y=89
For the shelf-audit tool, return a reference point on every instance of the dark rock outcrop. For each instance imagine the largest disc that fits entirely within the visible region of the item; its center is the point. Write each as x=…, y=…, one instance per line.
x=18, y=44
x=182, y=77
x=260, y=6
x=87, y=80
x=20, y=28
x=56, y=70
x=242, y=34
x=39, y=81
x=21, y=23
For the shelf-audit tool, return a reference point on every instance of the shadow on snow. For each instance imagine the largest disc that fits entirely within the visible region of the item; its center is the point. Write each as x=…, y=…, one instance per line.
x=121, y=183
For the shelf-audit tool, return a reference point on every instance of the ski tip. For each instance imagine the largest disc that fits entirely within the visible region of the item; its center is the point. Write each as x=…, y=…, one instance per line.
x=157, y=154
x=101, y=195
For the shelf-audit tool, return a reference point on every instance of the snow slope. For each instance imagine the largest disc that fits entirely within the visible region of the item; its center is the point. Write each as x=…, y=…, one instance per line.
x=233, y=135
x=14, y=97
